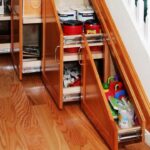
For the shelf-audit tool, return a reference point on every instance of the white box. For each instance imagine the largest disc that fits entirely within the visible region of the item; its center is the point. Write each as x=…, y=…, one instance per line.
x=1, y=7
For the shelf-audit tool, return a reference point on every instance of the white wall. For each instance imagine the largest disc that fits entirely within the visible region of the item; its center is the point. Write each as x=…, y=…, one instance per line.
x=69, y=3
x=140, y=56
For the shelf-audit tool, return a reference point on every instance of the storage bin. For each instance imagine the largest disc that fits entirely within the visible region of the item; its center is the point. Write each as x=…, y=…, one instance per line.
x=92, y=27
x=85, y=14
x=72, y=27
x=65, y=15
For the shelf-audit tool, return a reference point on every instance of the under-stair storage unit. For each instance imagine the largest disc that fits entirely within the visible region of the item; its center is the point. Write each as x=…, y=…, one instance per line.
x=26, y=36
x=94, y=100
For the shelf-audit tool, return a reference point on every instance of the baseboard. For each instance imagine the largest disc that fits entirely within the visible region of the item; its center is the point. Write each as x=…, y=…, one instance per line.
x=147, y=137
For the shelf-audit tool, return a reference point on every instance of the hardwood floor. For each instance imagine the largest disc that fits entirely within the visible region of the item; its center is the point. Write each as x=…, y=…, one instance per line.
x=29, y=119
x=139, y=146
x=67, y=124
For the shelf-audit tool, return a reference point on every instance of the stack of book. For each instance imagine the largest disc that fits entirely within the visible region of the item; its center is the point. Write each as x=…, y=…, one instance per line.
x=31, y=52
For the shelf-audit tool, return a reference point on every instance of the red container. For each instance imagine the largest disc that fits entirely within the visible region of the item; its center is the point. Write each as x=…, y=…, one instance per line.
x=72, y=27
x=92, y=27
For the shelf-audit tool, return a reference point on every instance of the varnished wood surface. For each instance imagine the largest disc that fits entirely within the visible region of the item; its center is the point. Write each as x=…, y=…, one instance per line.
x=138, y=146
x=70, y=121
x=94, y=101
x=54, y=137
x=52, y=52
x=29, y=119
x=17, y=35
x=19, y=129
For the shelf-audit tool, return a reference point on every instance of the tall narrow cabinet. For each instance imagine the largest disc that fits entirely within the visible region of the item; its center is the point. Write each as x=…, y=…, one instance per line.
x=18, y=22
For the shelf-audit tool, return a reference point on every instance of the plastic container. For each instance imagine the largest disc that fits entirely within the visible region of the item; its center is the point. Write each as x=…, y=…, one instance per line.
x=85, y=14
x=72, y=27
x=126, y=114
x=65, y=15
x=92, y=27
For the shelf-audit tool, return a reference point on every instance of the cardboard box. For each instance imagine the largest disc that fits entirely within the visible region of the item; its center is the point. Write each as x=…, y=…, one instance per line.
x=1, y=7
x=32, y=8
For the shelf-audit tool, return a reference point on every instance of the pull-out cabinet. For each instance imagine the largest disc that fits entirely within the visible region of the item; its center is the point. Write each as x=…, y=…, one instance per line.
x=52, y=70
x=96, y=107
x=25, y=60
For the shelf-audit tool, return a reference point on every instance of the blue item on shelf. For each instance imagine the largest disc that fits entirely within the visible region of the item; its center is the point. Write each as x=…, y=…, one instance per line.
x=119, y=94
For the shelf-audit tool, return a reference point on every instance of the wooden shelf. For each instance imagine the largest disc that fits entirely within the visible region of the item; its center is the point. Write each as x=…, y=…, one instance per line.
x=129, y=130
x=75, y=56
x=129, y=133
x=32, y=20
x=5, y=48
x=71, y=99
x=79, y=45
x=72, y=90
x=77, y=36
x=5, y=18
x=30, y=66
x=76, y=40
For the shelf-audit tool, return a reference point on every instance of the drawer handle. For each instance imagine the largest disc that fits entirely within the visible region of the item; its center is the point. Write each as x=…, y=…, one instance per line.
x=80, y=56
x=56, y=49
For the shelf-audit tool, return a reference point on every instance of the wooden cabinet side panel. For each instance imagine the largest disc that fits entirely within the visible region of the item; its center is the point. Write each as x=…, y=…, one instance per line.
x=94, y=102
x=16, y=35
x=52, y=52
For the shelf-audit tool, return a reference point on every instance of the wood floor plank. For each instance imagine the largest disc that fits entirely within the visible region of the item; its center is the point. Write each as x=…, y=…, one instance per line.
x=22, y=107
x=71, y=121
x=7, y=79
x=77, y=130
x=10, y=137
x=38, y=95
x=49, y=127
x=83, y=124
x=138, y=146
x=19, y=128
x=26, y=120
